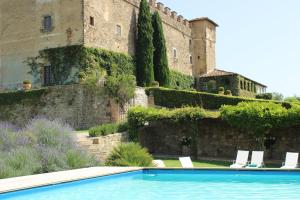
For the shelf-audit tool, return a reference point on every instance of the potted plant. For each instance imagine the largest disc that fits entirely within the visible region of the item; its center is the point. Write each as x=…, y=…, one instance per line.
x=26, y=85
x=186, y=143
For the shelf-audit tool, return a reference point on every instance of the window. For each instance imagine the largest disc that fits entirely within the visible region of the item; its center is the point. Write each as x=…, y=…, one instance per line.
x=47, y=23
x=174, y=53
x=190, y=44
x=92, y=21
x=248, y=86
x=241, y=85
x=118, y=30
x=191, y=60
x=48, y=75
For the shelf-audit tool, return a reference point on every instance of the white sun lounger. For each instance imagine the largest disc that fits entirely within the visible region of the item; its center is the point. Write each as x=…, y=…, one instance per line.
x=291, y=161
x=158, y=163
x=257, y=159
x=241, y=159
x=186, y=162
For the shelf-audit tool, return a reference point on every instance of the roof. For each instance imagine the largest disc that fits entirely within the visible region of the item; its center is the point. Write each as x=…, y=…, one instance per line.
x=204, y=19
x=217, y=72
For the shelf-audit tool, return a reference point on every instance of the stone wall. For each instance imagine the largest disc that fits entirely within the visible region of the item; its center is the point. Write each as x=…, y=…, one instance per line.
x=77, y=105
x=102, y=146
x=215, y=139
x=21, y=34
x=108, y=14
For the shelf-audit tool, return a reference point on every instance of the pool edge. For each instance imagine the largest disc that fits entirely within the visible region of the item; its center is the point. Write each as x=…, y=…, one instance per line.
x=54, y=178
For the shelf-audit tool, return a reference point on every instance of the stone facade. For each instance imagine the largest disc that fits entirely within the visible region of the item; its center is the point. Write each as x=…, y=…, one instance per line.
x=79, y=106
x=107, y=24
x=22, y=34
x=236, y=83
x=102, y=146
x=215, y=139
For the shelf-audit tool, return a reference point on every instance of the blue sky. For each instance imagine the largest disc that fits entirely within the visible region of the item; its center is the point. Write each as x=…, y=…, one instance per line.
x=256, y=38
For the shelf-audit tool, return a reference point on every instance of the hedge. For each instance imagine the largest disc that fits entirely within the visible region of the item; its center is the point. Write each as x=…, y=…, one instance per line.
x=140, y=116
x=107, y=129
x=10, y=98
x=259, y=117
x=172, y=98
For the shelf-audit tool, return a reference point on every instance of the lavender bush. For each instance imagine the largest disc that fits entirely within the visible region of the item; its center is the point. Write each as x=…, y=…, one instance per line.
x=42, y=146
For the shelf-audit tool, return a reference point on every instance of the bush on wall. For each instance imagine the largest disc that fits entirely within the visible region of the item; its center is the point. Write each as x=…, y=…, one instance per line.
x=139, y=117
x=73, y=62
x=267, y=96
x=181, y=81
x=259, y=118
x=171, y=98
x=10, y=98
x=106, y=129
x=121, y=88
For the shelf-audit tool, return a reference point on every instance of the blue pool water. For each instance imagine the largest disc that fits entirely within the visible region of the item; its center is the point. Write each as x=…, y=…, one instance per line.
x=173, y=185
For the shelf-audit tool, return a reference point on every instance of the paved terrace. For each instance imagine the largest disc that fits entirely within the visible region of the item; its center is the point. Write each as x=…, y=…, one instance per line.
x=26, y=182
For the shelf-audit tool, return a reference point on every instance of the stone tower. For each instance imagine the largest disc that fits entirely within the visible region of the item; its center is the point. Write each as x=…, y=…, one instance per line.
x=203, y=45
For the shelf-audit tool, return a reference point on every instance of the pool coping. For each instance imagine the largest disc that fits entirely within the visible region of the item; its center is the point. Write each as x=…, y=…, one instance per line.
x=39, y=180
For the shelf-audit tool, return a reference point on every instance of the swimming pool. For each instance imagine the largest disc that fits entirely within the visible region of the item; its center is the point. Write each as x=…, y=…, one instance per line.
x=172, y=185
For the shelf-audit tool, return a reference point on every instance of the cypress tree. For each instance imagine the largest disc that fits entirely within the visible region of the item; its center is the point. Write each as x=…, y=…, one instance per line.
x=160, y=60
x=144, y=46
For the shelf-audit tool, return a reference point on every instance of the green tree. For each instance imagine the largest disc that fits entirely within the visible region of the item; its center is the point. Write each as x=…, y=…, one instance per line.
x=144, y=46
x=160, y=60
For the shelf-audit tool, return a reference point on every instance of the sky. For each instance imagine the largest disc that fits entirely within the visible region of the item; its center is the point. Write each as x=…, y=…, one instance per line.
x=259, y=39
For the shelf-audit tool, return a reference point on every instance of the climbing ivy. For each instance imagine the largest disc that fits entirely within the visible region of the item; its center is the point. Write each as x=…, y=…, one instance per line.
x=72, y=63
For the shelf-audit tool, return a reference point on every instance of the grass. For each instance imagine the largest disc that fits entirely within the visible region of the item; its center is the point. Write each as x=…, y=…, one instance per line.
x=169, y=162
x=198, y=163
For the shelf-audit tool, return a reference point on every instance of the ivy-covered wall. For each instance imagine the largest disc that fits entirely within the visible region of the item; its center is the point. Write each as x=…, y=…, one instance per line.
x=212, y=84
x=181, y=81
x=70, y=63
x=237, y=84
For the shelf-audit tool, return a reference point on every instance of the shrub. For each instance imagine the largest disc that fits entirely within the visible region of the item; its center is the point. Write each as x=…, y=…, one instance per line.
x=21, y=161
x=171, y=98
x=11, y=98
x=42, y=146
x=181, y=81
x=267, y=96
x=154, y=84
x=26, y=82
x=130, y=154
x=228, y=92
x=121, y=88
x=107, y=129
x=259, y=117
x=139, y=116
x=221, y=90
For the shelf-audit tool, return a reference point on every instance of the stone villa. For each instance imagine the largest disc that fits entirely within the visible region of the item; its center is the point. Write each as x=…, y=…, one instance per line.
x=28, y=26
